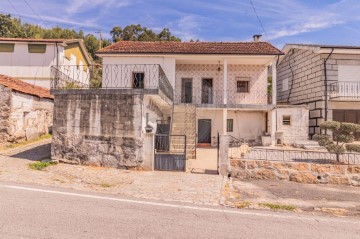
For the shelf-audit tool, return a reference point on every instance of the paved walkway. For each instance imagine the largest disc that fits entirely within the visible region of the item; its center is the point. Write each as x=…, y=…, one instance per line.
x=166, y=186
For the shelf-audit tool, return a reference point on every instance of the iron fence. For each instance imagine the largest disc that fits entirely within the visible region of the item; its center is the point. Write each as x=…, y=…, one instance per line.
x=199, y=96
x=296, y=156
x=344, y=89
x=118, y=76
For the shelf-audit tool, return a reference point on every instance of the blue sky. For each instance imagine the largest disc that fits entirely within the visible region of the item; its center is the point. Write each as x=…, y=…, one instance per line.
x=285, y=21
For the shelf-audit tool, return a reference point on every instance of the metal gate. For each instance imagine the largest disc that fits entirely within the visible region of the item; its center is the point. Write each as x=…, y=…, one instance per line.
x=170, y=152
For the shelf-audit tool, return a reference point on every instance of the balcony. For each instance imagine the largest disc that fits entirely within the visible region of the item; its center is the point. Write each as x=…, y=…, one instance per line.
x=215, y=98
x=344, y=90
x=130, y=78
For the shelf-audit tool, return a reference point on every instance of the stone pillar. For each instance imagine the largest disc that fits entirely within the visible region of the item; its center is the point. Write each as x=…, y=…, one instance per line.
x=225, y=81
x=273, y=67
x=273, y=119
x=224, y=162
x=224, y=125
x=149, y=143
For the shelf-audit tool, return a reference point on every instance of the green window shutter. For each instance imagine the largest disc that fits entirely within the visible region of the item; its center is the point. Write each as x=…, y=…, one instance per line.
x=7, y=47
x=37, y=48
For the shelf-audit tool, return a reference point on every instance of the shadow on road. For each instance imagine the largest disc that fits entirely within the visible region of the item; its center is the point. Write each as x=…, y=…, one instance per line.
x=36, y=153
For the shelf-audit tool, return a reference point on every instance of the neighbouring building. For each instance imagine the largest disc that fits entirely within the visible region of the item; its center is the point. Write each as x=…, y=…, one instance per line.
x=25, y=110
x=35, y=60
x=324, y=77
x=180, y=91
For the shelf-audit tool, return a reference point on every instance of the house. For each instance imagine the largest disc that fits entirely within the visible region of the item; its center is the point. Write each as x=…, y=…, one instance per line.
x=186, y=93
x=25, y=110
x=31, y=60
x=324, y=77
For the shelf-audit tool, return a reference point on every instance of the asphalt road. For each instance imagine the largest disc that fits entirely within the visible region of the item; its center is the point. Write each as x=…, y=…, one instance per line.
x=37, y=212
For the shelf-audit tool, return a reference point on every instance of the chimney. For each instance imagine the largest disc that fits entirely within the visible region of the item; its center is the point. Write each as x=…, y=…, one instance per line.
x=257, y=38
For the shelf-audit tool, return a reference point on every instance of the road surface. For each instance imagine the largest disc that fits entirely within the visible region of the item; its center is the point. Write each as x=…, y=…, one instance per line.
x=28, y=211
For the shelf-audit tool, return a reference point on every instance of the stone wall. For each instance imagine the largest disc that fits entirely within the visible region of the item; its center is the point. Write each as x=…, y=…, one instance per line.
x=99, y=129
x=23, y=117
x=5, y=101
x=297, y=172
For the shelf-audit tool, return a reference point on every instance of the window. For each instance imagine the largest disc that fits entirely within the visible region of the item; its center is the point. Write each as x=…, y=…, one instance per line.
x=7, y=47
x=286, y=120
x=230, y=125
x=242, y=85
x=285, y=84
x=36, y=48
x=138, y=80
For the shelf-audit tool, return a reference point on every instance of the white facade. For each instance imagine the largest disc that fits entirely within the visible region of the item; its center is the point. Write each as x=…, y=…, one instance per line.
x=35, y=68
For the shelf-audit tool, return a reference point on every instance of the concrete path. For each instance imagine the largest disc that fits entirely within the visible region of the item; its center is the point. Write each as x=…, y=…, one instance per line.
x=167, y=186
x=34, y=151
x=33, y=212
x=337, y=200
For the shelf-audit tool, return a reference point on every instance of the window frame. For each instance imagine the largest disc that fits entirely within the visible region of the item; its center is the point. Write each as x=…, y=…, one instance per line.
x=246, y=88
x=37, y=48
x=228, y=124
x=288, y=121
x=134, y=77
x=7, y=47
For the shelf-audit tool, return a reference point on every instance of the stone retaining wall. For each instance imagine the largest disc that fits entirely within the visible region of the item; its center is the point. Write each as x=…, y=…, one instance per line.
x=297, y=172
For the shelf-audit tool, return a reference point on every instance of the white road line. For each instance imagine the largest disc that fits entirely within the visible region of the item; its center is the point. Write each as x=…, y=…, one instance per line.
x=181, y=206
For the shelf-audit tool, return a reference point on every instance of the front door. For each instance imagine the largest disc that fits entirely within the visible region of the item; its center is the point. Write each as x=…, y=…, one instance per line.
x=207, y=91
x=186, y=91
x=204, y=131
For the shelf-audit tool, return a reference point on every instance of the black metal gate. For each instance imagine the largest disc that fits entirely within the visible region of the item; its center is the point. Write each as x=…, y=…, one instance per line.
x=170, y=152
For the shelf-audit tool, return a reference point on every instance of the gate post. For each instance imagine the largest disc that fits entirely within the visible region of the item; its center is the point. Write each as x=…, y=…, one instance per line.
x=149, y=151
x=224, y=162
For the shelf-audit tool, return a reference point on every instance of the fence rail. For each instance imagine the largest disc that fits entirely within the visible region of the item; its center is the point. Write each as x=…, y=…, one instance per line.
x=296, y=156
x=118, y=76
x=344, y=89
x=200, y=96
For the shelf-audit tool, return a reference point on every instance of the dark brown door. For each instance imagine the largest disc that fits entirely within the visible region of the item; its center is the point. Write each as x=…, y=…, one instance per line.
x=349, y=116
x=207, y=91
x=204, y=131
x=186, y=91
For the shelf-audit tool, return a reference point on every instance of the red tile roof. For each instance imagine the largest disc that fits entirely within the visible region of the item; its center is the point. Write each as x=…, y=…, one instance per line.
x=167, y=47
x=23, y=87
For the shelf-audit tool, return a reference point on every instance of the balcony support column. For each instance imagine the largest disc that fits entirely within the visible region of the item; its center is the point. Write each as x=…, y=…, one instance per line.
x=225, y=93
x=224, y=126
x=273, y=82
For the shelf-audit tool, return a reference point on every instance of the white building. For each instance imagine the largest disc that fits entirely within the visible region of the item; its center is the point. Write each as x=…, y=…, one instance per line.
x=31, y=59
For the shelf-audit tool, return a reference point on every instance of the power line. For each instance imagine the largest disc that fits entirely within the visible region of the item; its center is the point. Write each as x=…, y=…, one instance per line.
x=262, y=26
x=34, y=11
x=52, y=21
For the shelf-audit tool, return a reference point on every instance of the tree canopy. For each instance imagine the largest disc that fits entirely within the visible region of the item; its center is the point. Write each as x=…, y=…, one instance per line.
x=15, y=28
x=341, y=139
x=139, y=33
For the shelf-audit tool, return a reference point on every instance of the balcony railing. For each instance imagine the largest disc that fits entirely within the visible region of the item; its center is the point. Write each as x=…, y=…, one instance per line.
x=216, y=97
x=344, y=90
x=124, y=76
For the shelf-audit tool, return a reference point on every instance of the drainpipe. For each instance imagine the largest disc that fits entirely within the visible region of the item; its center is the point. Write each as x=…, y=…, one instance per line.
x=326, y=85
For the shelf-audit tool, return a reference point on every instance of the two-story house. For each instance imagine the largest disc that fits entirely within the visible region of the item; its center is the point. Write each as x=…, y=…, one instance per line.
x=182, y=91
x=30, y=60
x=325, y=77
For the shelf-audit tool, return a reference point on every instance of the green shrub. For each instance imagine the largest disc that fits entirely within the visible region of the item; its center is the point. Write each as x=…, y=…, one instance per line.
x=41, y=165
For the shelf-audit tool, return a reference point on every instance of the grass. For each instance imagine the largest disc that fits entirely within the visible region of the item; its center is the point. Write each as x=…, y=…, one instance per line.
x=106, y=185
x=24, y=143
x=243, y=204
x=41, y=165
x=278, y=206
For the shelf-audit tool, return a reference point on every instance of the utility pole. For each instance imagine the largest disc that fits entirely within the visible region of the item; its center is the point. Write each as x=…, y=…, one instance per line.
x=100, y=42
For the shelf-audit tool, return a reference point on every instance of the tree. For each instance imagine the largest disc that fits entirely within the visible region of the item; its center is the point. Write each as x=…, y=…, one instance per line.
x=116, y=33
x=165, y=35
x=341, y=139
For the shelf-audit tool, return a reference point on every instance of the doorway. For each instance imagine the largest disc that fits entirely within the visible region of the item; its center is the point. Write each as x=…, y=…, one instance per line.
x=207, y=91
x=186, y=90
x=204, y=131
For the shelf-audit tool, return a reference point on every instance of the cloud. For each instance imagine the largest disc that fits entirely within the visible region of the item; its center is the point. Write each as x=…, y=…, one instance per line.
x=187, y=27
x=80, y=6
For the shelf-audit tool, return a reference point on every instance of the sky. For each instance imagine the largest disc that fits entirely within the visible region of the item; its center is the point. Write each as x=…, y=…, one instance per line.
x=283, y=21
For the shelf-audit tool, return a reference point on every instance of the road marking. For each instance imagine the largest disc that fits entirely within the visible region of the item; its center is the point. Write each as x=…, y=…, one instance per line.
x=180, y=206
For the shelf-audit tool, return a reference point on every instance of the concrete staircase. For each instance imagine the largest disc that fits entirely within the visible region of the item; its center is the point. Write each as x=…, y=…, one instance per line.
x=184, y=123
x=308, y=145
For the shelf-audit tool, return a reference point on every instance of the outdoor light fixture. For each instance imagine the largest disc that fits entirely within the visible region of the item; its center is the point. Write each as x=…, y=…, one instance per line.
x=219, y=68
